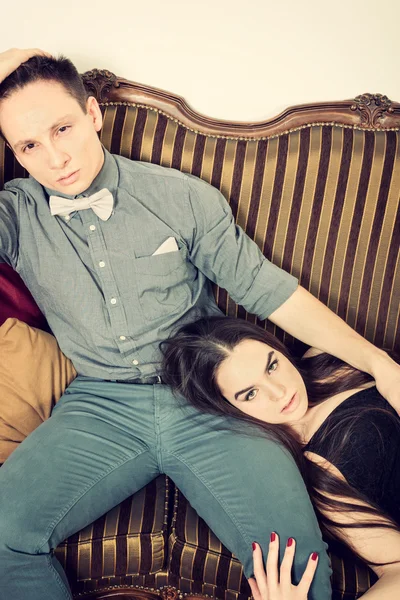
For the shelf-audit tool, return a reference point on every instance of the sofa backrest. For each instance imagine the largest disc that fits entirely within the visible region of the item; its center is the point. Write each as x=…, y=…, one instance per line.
x=317, y=188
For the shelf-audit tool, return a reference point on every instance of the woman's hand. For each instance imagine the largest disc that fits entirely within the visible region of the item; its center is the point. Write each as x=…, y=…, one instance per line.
x=269, y=584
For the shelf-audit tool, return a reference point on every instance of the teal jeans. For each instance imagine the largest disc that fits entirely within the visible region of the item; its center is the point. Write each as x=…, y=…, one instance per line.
x=104, y=441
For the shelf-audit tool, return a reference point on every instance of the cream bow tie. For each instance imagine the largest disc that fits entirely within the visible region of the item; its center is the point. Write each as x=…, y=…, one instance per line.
x=101, y=203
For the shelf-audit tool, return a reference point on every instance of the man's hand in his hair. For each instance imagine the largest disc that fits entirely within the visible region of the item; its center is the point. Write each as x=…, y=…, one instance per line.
x=13, y=58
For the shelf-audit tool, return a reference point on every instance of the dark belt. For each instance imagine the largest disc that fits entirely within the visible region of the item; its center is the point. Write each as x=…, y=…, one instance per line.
x=139, y=380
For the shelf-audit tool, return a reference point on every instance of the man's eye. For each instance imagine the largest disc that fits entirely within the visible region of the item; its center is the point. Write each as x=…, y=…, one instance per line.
x=273, y=366
x=28, y=147
x=63, y=128
x=251, y=395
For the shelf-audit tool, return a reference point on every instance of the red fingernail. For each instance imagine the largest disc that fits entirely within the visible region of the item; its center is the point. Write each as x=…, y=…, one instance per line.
x=314, y=556
x=254, y=545
x=273, y=536
x=290, y=542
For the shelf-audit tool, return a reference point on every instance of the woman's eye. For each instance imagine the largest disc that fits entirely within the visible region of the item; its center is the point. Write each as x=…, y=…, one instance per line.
x=63, y=129
x=251, y=395
x=273, y=366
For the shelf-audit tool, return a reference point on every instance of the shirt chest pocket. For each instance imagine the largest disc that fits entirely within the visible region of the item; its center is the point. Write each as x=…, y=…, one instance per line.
x=164, y=283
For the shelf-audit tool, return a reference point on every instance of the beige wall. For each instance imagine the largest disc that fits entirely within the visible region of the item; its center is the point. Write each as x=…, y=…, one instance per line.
x=209, y=51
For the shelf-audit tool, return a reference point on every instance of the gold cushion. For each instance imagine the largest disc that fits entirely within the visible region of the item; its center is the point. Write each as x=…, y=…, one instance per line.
x=33, y=375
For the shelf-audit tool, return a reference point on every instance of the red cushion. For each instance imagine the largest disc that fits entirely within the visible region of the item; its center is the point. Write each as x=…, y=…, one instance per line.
x=16, y=300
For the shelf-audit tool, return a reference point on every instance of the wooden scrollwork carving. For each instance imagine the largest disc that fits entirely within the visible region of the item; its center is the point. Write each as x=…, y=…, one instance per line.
x=372, y=108
x=99, y=82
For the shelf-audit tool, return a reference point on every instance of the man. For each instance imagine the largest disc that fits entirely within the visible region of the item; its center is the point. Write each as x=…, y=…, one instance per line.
x=117, y=254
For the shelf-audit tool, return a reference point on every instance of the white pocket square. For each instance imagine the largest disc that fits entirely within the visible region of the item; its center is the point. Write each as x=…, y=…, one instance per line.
x=169, y=245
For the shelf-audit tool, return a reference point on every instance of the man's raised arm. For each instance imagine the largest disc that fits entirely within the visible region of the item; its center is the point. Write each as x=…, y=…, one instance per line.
x=310, y=321
x=9, y=61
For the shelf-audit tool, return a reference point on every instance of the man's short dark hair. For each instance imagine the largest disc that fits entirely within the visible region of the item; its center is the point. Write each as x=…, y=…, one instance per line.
x=43, y=68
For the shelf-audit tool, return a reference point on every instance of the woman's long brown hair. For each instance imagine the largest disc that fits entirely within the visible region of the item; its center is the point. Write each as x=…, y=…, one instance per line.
x=190, y=362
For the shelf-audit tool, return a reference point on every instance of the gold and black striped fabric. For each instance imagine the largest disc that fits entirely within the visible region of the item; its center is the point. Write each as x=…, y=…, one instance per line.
x=199, y=560
x=126, y=546
x=321, y=201
x=204, y=566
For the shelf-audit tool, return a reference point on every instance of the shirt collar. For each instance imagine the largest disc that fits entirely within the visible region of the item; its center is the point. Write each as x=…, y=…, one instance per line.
x=108, y=177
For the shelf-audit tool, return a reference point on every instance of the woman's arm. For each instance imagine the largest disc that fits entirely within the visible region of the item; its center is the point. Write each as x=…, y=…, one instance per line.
x=374, y=544
x=310, y=321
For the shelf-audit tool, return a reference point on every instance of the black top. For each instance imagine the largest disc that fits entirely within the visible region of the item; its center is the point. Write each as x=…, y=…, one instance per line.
x=370, y=456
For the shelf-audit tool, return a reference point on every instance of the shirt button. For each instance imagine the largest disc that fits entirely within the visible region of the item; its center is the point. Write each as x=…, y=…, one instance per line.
x=67, y=218
x=102, y=263
x=113, y=301
x=122, y=337
x=92, y=228
x=135, y=362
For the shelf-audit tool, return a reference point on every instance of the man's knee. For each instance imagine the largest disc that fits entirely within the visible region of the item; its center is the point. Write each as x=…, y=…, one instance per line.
x=19, y=533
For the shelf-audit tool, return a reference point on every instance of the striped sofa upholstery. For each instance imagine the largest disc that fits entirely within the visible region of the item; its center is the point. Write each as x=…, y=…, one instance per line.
x=320, y=201
x=320, y=197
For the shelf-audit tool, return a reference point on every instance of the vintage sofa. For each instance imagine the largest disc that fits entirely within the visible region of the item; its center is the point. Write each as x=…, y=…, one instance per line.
x=318, y=188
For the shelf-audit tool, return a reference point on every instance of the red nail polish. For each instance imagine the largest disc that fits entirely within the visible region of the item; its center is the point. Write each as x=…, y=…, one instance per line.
x=314, y=556
x=254, y=545
x=273, y=536
x=290, y=542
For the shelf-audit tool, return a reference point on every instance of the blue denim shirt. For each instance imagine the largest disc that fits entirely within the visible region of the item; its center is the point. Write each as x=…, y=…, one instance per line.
x=107, y=299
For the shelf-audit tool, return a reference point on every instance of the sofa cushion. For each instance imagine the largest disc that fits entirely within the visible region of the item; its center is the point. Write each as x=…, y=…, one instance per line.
x=17, y=301
x=205, y=566
x=33, y=375
x=125, y=547
x=198, y=559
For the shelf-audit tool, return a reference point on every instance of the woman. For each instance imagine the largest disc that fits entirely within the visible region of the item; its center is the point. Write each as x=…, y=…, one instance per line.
x=344, y=437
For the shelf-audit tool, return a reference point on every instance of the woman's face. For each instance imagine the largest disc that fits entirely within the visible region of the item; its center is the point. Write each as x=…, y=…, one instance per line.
x=262, y=383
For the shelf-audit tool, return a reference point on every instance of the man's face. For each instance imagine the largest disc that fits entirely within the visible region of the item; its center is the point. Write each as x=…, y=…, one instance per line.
x=52, y=137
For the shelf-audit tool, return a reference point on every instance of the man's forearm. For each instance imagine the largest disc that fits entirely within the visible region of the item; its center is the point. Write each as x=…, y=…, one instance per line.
x=310, y=321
